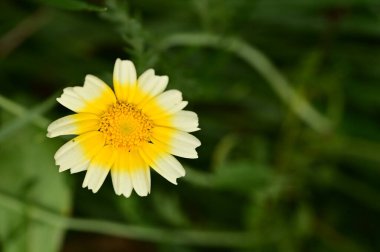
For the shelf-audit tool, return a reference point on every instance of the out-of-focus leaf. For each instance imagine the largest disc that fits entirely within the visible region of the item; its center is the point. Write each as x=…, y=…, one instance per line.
x=132, y=209
x=73, y=5
x=33, y=114
x=304, y=220
x=242, y=175
x=224, y=147
x=30, y=174
x=169, y=209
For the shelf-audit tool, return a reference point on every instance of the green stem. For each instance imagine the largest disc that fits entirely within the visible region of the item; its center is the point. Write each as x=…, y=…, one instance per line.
x=175, y=236
x=257, y=60
x=18, y=110
x=18, y=123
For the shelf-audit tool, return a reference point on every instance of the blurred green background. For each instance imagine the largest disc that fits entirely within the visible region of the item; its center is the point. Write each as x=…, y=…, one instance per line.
x=288, y=96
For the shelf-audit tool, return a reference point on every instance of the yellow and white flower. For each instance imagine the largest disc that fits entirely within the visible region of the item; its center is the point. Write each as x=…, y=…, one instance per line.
x=125, y=132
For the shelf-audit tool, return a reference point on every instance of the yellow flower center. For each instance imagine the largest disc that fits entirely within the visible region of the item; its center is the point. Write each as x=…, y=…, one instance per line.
x=125, y=126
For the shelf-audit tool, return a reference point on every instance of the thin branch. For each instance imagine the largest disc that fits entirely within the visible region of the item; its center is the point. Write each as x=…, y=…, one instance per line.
x=23, y=30
x=162, y=235
x=257, y=60
x=18, y=110
x=16, y=124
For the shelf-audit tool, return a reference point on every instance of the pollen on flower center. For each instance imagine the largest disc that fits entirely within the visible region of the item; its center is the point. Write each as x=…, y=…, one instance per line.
x=125, y=126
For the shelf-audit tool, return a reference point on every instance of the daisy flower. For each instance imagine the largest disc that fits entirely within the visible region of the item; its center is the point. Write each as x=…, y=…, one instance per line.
x=126, y=132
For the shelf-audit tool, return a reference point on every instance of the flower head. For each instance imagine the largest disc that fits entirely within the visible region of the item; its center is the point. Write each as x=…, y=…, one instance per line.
x=126, y=132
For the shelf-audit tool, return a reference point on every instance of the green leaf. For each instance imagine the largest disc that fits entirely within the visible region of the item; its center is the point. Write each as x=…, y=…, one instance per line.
x=30, y=174
x=74, y=5
x=242, y=175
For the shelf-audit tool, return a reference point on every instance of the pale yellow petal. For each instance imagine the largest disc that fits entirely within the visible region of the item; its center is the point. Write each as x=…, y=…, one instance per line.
x=71, y=100
x=98, y=169
x=121, y=178
x=176, y=142
x=140, y=174
x=182, y=120
x=163, y=163
x=94, y=97
x=80, y=167
x=149, y=86
x=73, y=125
x=130, y=171
x=162, y=103
x=98, y=95
x=78, y=150
x=124, y=79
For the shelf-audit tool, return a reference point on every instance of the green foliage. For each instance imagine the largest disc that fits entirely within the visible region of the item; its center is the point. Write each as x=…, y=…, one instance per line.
x=287, y=94
x=28, y=173
x=76, y=5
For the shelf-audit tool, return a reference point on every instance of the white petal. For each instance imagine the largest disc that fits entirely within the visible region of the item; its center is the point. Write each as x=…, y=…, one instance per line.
x=80, y=167
x=121, y=178
x=130, y=171
x=141, y=180
x=78, y=150
x=169, y=167
x=179, y=143
x=98, y=169
x=121, y=181
x=177, y=107
x=69, y=125
x=165, y=101
x=94, y=97
x=71, y=100
x=62, y=126
x=152, y=84
x=163, y=163
x=124, y=76
x=149, y=86
x=174, y=109
x=127, y=73
x=69, y=91
x=94, y=89
x=186, y=121
x=146, y=78
x=95, y=177
x=182, y=120
x=140, y=173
